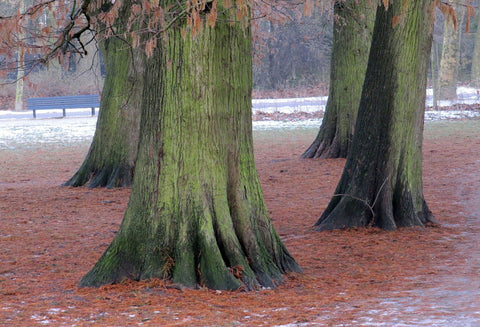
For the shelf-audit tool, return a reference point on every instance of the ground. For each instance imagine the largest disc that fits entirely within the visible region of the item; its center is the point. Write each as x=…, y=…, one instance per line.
x=51, y=236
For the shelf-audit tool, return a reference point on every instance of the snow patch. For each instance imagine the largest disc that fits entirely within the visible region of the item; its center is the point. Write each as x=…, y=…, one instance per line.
x=290, y=105
x=54, y=311
x=451, y=114
x=19, y=129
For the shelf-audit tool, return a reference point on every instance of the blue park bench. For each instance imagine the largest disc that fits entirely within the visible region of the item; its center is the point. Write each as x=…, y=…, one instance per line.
x=66, y=102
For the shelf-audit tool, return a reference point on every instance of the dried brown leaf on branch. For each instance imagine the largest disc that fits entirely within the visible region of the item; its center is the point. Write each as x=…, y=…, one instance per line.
x=212, y=15
x=396, y=20
x=448, y=12
x=470, y=12
x=150, y=45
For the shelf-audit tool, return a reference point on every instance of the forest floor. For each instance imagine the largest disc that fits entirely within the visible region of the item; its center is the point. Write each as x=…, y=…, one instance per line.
x=50, y=236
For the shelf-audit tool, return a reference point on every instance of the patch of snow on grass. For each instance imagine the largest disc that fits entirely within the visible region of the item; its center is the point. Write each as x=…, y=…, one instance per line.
x=31, y=132
x=289, y=105
x=451, y=114
x=19, y=129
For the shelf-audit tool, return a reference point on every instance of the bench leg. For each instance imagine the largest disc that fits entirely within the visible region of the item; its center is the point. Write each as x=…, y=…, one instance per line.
x=93, y=111
x=64, y=114
x=34, y=114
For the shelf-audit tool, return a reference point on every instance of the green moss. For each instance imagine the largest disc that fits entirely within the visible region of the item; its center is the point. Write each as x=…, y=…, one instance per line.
x=384, y=168
x=112, y=153
x=196, y=213
x=351, y=43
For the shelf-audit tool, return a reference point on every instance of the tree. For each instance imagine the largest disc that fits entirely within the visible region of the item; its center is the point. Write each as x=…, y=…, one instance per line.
x=196, y=213
x=475, y=74
x=449, y=62
x=111, y=158
x=112, y=153
x=353, y=25
x=381, y=184
x=20, y=73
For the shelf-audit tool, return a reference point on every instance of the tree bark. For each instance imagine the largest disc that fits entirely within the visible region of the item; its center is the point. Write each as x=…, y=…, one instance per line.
x=434, y=68
x=449, y=62
x=111, y=158
x=352, y=29
x=196, y=213
x=19, y=89
x=381, y=184
x=475, y=74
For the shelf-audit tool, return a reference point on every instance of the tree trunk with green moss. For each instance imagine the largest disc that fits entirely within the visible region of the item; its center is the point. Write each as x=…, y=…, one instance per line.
x=352, y=29
x=196, y=213
x=381, y=184
x=111, y=158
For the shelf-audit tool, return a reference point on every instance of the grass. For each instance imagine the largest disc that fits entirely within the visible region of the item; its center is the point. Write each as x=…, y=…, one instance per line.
x=468, y=128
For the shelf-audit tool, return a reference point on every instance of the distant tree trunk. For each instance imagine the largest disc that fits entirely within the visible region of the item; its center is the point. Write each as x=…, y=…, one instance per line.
x=353, y=25
x=475, y=74
x=20, y=70
x=435, y=63
x=196, y=213
x=381, y=184
x=19, y=82
x=449, y=62
x=111, y=158
x=273, y=74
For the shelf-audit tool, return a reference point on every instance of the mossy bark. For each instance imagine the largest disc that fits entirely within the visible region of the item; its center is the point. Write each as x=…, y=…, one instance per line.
x=111, y=157
x=196, y=214
x=352, y=34
x=381, y=184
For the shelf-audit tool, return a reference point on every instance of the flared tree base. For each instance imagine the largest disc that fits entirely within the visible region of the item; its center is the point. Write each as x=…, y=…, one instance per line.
x=325, y=149
x=111, y=177
x=384, y=211
x=216, y=254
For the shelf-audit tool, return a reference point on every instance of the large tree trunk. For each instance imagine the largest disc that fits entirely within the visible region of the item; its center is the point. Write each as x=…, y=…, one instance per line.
x=111, y=158
x=381, y=184
x=196, y=213
x=352, y=28
x=449, y=62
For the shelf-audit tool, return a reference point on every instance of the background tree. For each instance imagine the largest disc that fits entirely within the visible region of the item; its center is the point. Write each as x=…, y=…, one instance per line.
x=352, y=28
x=381, y=184
x=449, y=62
x=475, y=71
x=196, y=212
x=113, y=151
x=20, y=71
x=111, y=158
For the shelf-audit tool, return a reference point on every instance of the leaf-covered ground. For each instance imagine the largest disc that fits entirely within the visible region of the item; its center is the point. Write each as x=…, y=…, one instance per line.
x=50, y=236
